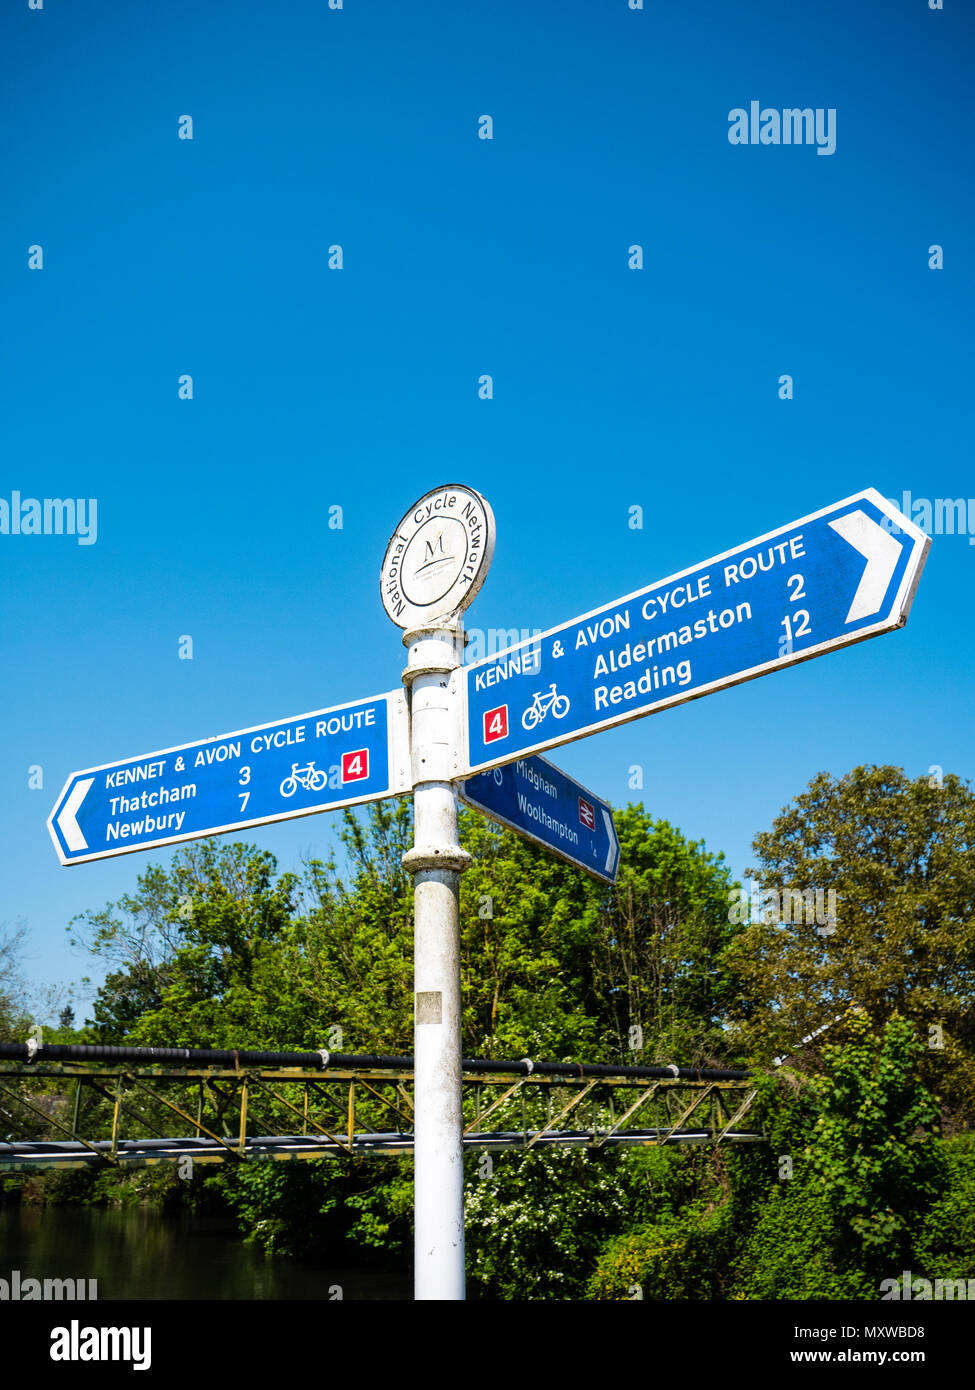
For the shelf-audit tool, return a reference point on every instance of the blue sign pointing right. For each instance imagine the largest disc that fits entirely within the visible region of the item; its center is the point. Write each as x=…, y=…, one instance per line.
x=533, y=797
x=836, y=577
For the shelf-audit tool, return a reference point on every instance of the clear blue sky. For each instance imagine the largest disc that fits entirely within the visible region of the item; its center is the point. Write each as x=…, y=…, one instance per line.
x=358, y=387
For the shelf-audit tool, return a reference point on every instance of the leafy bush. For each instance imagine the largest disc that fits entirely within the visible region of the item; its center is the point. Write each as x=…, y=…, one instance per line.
x=536, y=1223
x=945, y=1246
x=682, y=1256
x=793, y=1251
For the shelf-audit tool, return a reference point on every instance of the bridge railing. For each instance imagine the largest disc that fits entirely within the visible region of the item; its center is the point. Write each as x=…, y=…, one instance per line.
x=77, y=1113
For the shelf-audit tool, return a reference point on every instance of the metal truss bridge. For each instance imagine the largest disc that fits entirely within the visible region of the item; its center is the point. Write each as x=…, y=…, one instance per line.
x=73, y=1106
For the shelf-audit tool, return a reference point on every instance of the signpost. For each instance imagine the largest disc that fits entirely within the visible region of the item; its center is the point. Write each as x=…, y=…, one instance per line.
x=435, y=562
x=544, y=804
x=830, y=579
x=835, y=577
x=314, y=762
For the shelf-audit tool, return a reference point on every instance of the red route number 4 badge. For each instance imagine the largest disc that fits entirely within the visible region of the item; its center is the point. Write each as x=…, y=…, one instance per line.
x=495, y=724
x=355, y=765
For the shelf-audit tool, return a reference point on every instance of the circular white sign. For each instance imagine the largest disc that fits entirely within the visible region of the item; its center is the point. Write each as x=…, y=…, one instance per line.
x=438, y=556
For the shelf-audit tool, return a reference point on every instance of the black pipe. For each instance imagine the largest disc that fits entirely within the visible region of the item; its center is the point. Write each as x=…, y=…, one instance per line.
x=216, y=1057
x=208, y=1056
x=526, y=1068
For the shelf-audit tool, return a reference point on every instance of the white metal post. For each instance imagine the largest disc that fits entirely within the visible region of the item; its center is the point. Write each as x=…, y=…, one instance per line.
x=436, y=862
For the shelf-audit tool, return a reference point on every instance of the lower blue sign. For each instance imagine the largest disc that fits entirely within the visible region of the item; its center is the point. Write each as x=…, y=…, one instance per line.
x=313, y=762
x=533, y=797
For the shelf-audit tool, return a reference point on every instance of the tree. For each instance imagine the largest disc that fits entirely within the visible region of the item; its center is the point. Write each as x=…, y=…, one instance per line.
x=658, y=946
x=348, y=963
x=193, y=944
x=535, y=1221
x=865, y=1165
x=13, y=1020
x=853, y=1170
x=945, y=1247
x=900, y=857
x=220, y=950
x=527, y=921
x=873, y=1149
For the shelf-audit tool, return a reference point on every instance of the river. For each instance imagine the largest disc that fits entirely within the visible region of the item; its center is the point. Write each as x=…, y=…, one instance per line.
x=142, y=1254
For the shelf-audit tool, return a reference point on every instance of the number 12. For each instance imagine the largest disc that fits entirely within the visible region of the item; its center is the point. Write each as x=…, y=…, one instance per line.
x=802, y=628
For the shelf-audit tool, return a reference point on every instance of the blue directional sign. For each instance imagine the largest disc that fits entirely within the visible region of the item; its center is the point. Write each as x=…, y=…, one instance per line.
x=839, y=576
x=314, y=762
x=533, y=797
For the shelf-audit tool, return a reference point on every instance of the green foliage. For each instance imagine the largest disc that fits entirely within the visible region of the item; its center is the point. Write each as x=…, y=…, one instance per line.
x=866, y=1163
x=535, y=1224
x=158, y=1188
x=526, y=919
x=348, y=963
x=900, y=856
x=284, y=1207
x=195, y=945
x=659, y=947
x=681, y=1256
x=945, y=1247
x=872, y=1148
x=14, y=1021
x=797, y=1250
x=300, y=1209
x=382, y=1211
x=681, y=1236
x=219, y=949
x=865, y=1166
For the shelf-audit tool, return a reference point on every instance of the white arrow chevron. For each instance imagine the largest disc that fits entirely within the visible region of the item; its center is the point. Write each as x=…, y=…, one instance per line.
x=67, y=822
x=614, y=844
x=881, y=551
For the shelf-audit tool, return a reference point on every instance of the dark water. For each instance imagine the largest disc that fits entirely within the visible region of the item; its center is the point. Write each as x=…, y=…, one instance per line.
x=140, y=1254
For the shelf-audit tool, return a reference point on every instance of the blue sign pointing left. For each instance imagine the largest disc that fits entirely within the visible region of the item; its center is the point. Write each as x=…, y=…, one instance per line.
x=533, y=797
x=314, y=762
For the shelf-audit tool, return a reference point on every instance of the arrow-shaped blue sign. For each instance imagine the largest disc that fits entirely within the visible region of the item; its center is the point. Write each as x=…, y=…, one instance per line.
x=313, y=762
x=836, y=577
x=542, y=803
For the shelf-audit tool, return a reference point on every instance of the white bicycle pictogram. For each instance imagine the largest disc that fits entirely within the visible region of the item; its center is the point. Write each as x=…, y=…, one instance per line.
x=310, y=777
x=541, y=704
